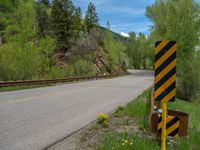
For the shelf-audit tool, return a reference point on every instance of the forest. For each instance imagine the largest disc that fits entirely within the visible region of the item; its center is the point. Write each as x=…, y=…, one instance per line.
x=54, y=39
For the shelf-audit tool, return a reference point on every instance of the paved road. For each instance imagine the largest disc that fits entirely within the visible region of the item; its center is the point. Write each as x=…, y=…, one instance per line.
x=35, y=118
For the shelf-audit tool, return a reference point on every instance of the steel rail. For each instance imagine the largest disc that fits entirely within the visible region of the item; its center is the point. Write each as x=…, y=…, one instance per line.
x=54, y=81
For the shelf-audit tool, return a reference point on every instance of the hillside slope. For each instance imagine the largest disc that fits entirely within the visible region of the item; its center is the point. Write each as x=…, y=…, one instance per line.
x=101, y=52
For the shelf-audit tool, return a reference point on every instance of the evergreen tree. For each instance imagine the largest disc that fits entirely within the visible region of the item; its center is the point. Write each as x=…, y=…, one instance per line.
x=57, y=22
x=77, y=22
x=91, y=17
x=62, y=22
x=45, y=2
x=43, y=19
x=7, y=7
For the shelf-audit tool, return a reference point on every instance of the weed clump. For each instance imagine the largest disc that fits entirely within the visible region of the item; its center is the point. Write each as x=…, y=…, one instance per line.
x=103, y=119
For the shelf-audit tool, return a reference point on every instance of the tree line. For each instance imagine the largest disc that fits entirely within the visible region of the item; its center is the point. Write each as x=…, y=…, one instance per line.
x=140, y=50
x=60, y=19
x=173, y=20
x=179, y=20
x=51, y=39
x=32, y=31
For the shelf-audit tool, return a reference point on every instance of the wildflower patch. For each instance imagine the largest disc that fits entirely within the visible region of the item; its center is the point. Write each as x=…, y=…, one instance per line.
x=103, y=119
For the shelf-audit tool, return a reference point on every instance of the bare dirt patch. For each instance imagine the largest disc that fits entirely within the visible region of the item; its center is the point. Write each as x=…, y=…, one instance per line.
x=91, y=136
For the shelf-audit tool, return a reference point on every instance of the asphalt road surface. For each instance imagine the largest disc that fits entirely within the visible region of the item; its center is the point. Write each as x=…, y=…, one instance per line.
x=34, y=119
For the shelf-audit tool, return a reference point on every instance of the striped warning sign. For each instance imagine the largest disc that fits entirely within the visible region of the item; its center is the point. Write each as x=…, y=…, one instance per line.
x=172, y=126
x=165, y=71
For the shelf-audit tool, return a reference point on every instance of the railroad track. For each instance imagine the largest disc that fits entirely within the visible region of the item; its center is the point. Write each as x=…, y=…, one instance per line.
x=54, y=81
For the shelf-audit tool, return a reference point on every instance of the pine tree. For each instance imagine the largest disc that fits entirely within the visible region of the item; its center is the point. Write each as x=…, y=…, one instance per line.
x=7, y=7
x=62, y=22
x=43, y=19
x=77, y=22
x=45, y=2
x=91, y=17
x=58, y=24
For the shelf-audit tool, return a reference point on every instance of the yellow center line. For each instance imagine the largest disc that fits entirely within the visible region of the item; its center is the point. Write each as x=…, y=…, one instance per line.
x=16, y=101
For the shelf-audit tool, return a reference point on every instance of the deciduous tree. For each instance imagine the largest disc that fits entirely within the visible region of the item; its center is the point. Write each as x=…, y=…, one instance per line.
x=179, y=20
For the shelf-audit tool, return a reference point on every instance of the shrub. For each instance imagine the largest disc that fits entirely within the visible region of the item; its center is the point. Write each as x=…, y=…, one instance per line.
x=120, y=111
x=103, y=119
x=80, y=67
x=57, y=72
x=188, y=85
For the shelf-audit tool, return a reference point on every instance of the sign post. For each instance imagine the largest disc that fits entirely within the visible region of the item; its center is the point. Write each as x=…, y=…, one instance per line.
x=163, y=138
x=165, y=80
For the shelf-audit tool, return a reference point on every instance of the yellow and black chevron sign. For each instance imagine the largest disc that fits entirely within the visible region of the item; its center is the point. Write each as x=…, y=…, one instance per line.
x=172, y=126
x=165, y=71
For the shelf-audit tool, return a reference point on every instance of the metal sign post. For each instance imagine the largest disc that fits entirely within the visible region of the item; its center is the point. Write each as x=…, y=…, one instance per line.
x=163, y=138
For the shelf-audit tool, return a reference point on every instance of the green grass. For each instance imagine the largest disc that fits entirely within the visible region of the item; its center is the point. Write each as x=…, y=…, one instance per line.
x=192, y=142
x=139, y=109
x=125, y=141
x=192, y=108
x=22, y=87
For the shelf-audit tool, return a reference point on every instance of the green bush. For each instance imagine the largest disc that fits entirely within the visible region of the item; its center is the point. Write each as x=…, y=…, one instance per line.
x=19, y=62
x=21, y=57
x=80, y=67
x=46, y=46
x=57, y=72
x=188, y=82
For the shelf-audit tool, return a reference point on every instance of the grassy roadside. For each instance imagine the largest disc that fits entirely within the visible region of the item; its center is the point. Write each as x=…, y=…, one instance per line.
x=129, y=128
x=23, y=87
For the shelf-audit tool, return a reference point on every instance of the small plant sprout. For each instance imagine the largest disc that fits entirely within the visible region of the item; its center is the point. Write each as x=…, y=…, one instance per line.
x=120, y=107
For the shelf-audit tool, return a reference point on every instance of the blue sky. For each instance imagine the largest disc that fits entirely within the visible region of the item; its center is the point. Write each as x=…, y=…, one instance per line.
x=123, y=15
